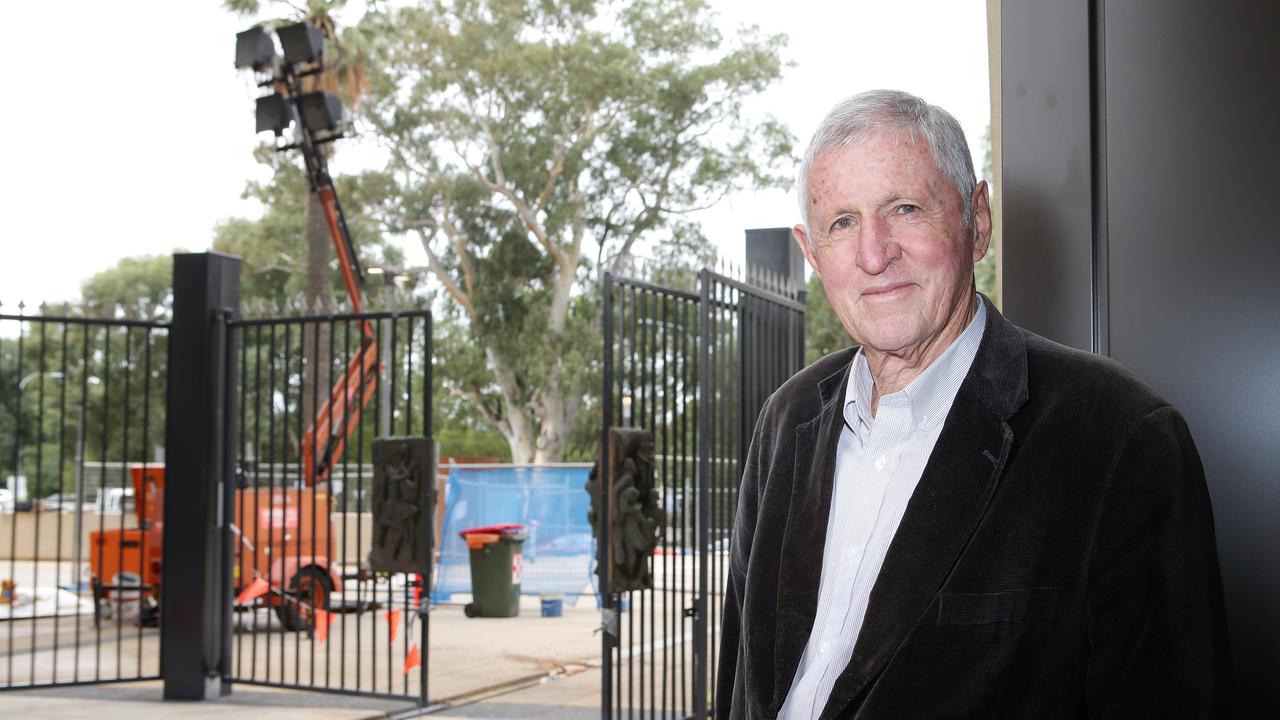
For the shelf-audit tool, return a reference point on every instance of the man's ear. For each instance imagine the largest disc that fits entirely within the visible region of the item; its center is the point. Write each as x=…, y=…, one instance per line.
x=801, y=237
x=981, y=220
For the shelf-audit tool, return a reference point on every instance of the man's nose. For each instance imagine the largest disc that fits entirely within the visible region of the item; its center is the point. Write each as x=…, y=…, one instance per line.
x=876, y=247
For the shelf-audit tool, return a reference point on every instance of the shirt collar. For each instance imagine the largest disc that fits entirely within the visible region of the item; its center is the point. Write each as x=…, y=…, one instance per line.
x=930, y=394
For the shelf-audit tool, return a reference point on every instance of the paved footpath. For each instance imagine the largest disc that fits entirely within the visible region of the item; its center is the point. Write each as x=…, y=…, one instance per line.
x=575, y=697
x=496, y=669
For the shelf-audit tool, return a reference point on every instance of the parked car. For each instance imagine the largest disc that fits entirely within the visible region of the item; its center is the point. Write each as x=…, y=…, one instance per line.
x=113, y=500
x=6, y=501
x=57, y=501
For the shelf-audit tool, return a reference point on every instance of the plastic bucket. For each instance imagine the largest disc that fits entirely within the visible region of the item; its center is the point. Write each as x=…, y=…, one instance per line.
x=552, y=605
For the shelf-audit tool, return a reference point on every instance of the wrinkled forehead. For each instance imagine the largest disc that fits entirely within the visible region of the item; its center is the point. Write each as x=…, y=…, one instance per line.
x=888, y=153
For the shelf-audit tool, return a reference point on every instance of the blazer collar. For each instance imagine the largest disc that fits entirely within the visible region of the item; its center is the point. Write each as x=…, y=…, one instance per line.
x=998, y=377
x=832, y=387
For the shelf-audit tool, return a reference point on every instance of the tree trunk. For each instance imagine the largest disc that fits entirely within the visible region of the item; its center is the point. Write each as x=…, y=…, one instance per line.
x=515, y=425
x=318, y=300
x=555, y=411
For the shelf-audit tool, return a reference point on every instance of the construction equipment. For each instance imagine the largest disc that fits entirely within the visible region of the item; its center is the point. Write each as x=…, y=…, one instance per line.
x=282, y=533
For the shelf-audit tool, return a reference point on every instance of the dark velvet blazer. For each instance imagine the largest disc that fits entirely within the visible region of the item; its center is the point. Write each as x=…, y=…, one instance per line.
x=1056, y=560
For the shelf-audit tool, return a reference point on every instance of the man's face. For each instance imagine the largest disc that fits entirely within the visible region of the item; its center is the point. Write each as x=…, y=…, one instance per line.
x=890, y=244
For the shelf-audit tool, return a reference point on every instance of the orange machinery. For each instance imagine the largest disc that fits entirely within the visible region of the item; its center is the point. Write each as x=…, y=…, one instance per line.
x=281, y=535
x=125, y=562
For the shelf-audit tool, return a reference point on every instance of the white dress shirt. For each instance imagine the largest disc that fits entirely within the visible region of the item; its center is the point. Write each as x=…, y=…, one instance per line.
x=878, y=464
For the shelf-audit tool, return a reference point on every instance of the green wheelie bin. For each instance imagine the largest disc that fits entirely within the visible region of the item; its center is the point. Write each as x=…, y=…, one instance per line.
x=495, y=569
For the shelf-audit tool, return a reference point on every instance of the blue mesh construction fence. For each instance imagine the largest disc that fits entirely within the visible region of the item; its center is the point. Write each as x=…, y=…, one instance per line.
x=551, y=502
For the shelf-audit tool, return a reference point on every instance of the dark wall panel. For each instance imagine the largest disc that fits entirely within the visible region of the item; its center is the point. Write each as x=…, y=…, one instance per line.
x=1193, y=188
x=1048, y=270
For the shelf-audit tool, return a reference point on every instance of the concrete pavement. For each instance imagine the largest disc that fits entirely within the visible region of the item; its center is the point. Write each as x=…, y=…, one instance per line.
x=522, y=667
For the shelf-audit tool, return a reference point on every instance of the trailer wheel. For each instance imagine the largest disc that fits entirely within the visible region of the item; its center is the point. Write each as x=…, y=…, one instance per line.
x=309, y=591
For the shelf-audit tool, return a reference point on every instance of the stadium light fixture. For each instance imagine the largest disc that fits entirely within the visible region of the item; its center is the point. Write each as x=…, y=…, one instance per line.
x=254, y=49
x=302, y=43
x=321, y=111
x=273, y=112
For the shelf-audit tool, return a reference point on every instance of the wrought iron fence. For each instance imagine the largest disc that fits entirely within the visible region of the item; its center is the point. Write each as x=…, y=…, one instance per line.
x=311, y=394
x=694, y=368
x=81, y=423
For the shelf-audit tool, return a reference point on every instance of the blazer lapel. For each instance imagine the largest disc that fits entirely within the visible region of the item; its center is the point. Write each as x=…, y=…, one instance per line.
x=952, y=496
x=800, y=571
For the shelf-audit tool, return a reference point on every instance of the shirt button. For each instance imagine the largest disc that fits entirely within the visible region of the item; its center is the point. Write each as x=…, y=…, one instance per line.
x=851, y=554
x=880, y=462
x=824, y=648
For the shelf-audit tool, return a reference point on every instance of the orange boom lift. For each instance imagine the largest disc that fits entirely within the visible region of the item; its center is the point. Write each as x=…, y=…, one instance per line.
x=275, y=571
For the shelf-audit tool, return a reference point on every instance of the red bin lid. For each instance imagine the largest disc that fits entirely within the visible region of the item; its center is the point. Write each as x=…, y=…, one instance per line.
x=497, y=529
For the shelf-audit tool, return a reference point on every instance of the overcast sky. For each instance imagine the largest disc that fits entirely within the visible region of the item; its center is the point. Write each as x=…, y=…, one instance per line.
x=127, y=131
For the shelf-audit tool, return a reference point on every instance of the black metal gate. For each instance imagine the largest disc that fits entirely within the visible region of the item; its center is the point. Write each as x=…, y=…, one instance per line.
x=81, y=419
x=311, y=394
x=694, y=368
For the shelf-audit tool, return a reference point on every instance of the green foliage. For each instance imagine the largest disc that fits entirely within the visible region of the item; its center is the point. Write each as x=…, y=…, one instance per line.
x=823, y=333
x=139, y=288
x=472, y=441
x=984, y=272
x=102, y=386
x=536, y=144
x=274, y=247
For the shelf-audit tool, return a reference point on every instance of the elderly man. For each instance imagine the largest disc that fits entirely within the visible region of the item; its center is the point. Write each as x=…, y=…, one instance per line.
x=960, y=519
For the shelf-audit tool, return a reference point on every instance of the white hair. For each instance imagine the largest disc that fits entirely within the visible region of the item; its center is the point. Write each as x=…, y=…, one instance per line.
x=859, y=116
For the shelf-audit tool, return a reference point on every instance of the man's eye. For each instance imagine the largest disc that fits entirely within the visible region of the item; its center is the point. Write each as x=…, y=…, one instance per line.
x=842, y=223
x=908, y=209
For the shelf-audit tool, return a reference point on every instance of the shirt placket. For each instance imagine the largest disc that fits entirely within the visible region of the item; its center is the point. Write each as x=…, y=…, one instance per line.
x=880, y=458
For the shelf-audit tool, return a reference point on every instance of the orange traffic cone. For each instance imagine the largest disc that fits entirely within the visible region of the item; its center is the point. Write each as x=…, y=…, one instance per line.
x=324, y=619
x=253, y=591
x=393, y=621
x=413, y=659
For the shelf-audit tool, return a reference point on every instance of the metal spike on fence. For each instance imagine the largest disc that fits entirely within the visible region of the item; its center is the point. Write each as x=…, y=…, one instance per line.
x=21, y=306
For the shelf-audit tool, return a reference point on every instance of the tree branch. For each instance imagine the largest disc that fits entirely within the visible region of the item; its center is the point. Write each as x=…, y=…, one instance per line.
x=460, y=248
x=486, y=413
x=437, y=268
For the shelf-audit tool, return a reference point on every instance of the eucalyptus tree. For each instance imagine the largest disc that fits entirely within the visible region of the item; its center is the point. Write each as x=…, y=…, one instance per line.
x=535, y=144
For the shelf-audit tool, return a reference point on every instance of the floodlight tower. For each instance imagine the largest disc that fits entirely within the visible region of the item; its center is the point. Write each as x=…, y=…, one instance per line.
x=317, y=118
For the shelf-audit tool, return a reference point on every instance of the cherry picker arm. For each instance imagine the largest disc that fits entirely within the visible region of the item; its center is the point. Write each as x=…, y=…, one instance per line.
x=326, y=440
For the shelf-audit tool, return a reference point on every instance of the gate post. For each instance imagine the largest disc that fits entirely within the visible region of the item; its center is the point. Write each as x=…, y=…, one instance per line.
x=195, y=596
